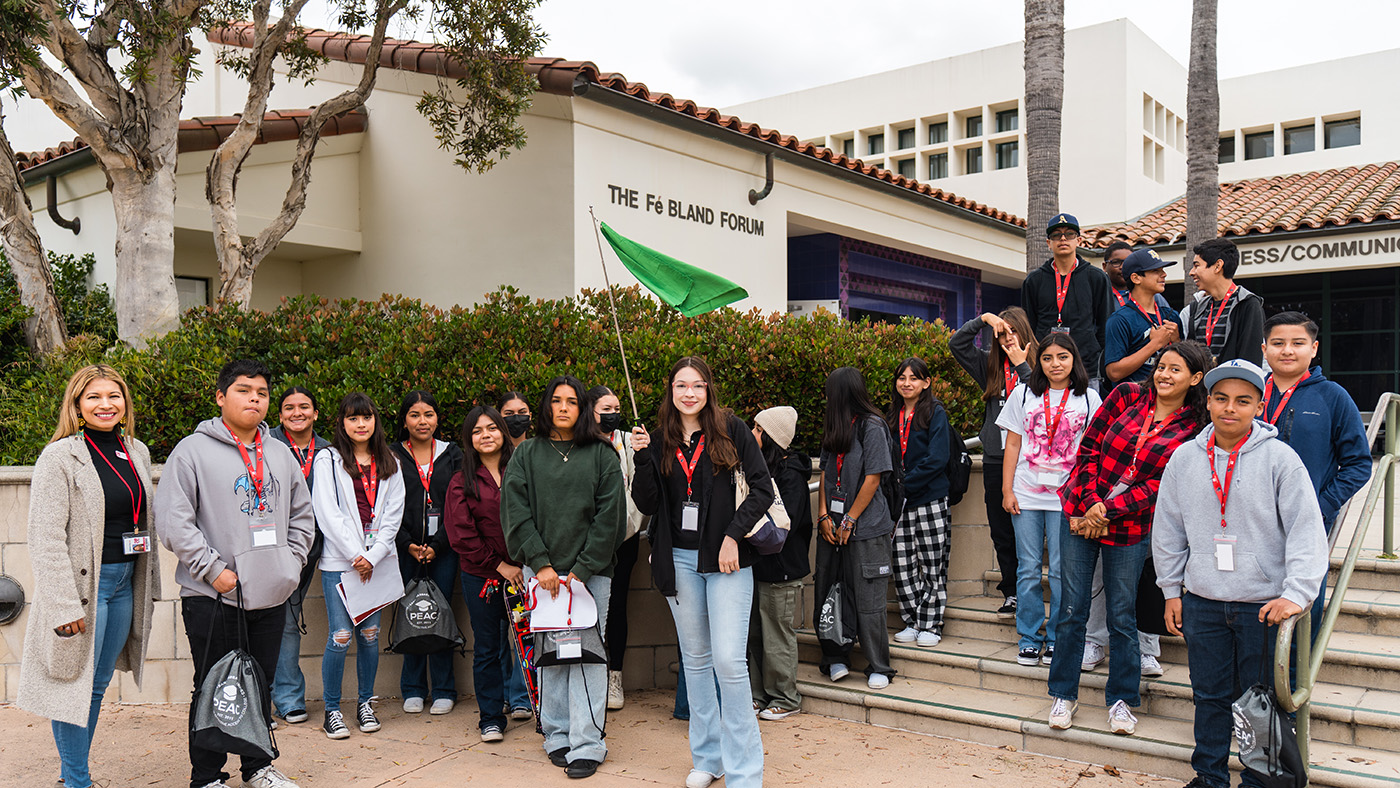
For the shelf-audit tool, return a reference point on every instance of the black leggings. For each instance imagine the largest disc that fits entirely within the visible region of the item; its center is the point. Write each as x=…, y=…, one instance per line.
x=999, y=521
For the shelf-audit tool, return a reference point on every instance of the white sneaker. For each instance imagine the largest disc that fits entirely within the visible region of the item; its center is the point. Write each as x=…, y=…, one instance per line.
x=215, y=784
x=442, y=706
x=1121, y=720
x=1093, y=655
x=877, y=681
x=269, y=777
x=906, y=635
x=929, y=639
x=615, y=696
x=699, y=779
x=1150, y=666
x=413, y=705
x=492, y=733
x=1062, y=714
x=838, y=671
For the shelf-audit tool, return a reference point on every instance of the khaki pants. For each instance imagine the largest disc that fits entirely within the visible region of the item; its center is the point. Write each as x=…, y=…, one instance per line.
x=773, y=645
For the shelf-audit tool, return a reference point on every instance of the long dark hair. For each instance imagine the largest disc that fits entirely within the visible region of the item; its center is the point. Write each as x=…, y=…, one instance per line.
x=1078, y=374
x=409, y=400
x=1015, y=317
x=846, y=400
x=297, y=390
x=585, y=429
x=773, y=455
x=510, y=396
x=358, y=403
x=923, y=408
x=1198, y=359
x=714, y=419
x=594, y=394
x=471, y=461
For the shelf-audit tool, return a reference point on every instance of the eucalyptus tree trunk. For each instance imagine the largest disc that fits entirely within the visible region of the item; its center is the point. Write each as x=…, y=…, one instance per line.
x=44, y=330
x=1202, y=135
x=1044, y=101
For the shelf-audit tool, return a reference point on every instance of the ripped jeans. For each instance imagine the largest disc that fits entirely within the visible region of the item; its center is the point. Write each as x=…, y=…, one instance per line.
x=339, y=628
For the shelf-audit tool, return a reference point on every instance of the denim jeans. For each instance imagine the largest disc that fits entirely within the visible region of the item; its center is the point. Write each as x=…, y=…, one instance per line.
x=288, y=684
x=111, y=625
x=492, y=655
x=421, y=669
x=574, y=698
x=712, y=624
x=1122, y=567
x=1037, y=530
x=1227, y=650
x=1096, y=630
x=517, y=693
x=338, y=629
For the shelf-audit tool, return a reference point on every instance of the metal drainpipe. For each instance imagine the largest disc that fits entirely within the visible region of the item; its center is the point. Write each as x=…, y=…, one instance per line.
x=755, y=196
x=76, y=223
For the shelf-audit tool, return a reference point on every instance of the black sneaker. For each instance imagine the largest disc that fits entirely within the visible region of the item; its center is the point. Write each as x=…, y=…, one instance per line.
x=1028, y=656
x=365, y=714
x=1008, y=608
x=334, y=725
x=583, y=767
x=1048, y=656
x=560, y=757
x=296, y=715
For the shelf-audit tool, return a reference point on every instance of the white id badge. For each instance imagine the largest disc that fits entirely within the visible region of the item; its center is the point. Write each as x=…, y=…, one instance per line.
x=134, y=543
x=837, y=507
x=434, y=517
x=263, y=527
x=1118, y=489
x=121, y=455
x=1059, y=328
x=1225, y=553
x=568, y=644
x=1050, y=478
x=690, y=516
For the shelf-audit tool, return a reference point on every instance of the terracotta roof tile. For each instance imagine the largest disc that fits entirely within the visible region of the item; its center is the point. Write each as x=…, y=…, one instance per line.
x=1283, y=203
x=563, y=77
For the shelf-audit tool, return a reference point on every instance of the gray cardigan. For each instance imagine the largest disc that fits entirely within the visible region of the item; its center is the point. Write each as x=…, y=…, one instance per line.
x=66, y=517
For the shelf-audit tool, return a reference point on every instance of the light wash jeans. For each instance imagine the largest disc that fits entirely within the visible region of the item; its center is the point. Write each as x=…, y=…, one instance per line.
x=574, y=698
x=1037, y=531
x=712, y=624
x=109, y=633
x=288, y=683
x=366, y=648
x=1096, y=631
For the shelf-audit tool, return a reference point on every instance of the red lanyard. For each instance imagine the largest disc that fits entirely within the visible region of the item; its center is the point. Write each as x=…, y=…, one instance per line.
x=137, y=495
x=1061, y=291
x=841, y=458
x=304, y=459
x=370, y=483
x=905, y=422
x=689, y=467
x=1009, y=378
x=1051, y=426
x=1148, y=432
x=255, y=475
x=1122, y=299
x=1212, y=316
x=1272, y=418
x=1156, y=312
x=1223, y=493
x=423, y=477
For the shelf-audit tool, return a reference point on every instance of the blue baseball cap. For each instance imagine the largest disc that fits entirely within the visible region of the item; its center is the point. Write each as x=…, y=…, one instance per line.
x=1062, y=220
x=1239, y=369
x=1144, y=260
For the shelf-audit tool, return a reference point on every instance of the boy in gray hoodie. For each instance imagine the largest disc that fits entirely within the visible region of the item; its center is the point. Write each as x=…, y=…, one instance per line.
x=1238, y=544
x=234, y=508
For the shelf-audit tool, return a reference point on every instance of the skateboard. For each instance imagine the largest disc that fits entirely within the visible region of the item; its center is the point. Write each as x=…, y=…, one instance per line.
x=522, y=642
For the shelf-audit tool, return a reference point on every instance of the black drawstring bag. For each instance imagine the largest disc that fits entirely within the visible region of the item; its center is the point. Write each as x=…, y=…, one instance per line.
x=423, y=620
x=230, y=705
x=1266, y=738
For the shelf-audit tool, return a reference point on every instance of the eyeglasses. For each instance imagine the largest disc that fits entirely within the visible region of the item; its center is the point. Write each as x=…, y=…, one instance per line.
x=698, y=388
x=1064, y=235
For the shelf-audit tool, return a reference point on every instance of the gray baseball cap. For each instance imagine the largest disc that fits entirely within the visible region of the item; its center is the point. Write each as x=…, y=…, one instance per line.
x=1237, y=368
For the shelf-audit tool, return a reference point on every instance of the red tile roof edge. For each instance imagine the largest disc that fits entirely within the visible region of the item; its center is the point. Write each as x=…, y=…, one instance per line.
x=560, y=77
x=207, y=133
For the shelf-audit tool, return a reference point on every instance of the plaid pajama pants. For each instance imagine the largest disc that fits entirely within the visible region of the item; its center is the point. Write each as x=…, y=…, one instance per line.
x=921, y=565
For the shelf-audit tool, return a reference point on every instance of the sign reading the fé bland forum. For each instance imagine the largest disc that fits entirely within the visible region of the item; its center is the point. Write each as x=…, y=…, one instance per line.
x=1331, y=252
x=682, y=210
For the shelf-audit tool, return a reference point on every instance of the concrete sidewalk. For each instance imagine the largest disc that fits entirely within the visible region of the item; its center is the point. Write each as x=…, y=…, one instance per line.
x=146, y=746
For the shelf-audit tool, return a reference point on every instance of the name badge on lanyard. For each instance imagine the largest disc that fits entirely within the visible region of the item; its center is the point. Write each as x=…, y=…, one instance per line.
x=263, y=528
x=136, y=543
x=434, y=517
x=690, y=516
x=1225, y=553
x=837, y=507
x=690, y=510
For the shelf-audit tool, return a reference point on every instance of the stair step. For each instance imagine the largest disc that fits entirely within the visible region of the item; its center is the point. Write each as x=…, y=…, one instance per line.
x=1007, y=719
x=1378, y=574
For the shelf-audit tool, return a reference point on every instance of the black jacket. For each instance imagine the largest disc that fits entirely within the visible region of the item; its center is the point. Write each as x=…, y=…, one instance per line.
x=719, y=514
x=792, y=563
x=414, y=516
x=1244, y=326
x=1088, y=304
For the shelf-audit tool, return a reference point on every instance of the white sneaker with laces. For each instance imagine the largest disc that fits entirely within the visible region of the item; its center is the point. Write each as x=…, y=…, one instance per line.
x=1093, y=655
x=699, y=779
x=269, y=777
x=1062, y=714
x=413, y=705
x=877, y=681
x=929, y=639
x=615, y=695
x=1121, y=720
x=442, y=706
x=1150, y=666
x=906, y=635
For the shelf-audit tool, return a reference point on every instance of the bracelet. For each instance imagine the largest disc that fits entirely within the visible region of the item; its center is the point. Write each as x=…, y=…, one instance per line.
x=824, y=518
x=848, y=523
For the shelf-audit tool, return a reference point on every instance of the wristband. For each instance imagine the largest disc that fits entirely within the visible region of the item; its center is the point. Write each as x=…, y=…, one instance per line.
x=824, y=517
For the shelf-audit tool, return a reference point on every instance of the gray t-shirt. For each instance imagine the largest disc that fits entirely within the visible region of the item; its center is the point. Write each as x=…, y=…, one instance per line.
x=870, y=454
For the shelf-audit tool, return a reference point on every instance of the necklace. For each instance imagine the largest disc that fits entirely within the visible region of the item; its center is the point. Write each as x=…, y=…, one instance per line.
x=564, y=454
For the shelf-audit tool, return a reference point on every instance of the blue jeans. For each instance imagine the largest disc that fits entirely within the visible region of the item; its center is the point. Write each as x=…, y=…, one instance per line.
x=1035, y=531
x=339, y=627
x=288, y=684
x=712, y=624
x=574, y=698
x=682, y=709
x=517, y=694
x=421, y=669
x=492, y=655
x=1227, y=650
x=110, y=628
x=1122, y=567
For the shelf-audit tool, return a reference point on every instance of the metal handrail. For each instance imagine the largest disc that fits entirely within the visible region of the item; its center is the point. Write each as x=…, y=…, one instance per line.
x=1310, y=655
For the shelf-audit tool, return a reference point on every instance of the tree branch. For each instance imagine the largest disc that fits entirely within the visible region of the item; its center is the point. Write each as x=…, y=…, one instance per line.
x=51, y=88
x=92, y=71
x=44, y=330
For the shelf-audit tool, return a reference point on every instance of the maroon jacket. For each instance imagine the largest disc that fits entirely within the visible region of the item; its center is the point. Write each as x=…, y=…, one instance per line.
x=474, y=526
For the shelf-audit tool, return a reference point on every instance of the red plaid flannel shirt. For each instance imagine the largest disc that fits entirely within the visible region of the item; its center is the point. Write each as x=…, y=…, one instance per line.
x=1106, y=455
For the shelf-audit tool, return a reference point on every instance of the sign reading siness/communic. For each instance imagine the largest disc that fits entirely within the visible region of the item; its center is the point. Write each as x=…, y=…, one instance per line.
x=685, y=211
x=1332, y=250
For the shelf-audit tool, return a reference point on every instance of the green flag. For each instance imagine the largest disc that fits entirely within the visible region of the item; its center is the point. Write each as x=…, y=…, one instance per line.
x=691, y=290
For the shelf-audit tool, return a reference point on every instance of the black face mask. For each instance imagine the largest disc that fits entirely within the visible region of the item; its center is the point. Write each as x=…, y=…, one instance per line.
x=610, y=422
x=517, y=424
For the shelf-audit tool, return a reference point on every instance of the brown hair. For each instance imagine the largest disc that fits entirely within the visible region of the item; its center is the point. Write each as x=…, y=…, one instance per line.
x=70, y=415
x=1016, y=317
x=713, y=419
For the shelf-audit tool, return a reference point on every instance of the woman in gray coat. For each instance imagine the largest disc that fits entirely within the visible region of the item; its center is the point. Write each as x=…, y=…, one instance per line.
x=90, y=539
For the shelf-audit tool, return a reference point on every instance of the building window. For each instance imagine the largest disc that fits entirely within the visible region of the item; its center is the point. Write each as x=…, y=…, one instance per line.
x=937, y=166
x=1008, y=120
x=974, y=160
x=877, y=144
x=1008, y=155
x=191, y=291
x=1259, y=146
x=1341, y=133
x=905, y=167
x=848, y=148
x=974, y=126
x=1227, y=149
x=937, y=132
x=906, y=139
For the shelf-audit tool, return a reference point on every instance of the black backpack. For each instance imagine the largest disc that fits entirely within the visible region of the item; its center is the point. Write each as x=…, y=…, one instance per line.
x=959, y=462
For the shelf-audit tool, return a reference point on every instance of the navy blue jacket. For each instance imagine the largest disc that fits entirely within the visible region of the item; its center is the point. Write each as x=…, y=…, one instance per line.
x=926, y=461
x=1126, y=334
x=1324, y=427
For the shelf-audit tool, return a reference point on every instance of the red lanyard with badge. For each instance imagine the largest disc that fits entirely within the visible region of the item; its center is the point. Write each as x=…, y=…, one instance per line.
x=1009, y=378
x=1225, y=545
x=837, y=507
x=431, y=512
x=1148, y=433
x=1061, y=293
x=906, y=421
x=1272, y=418
x=369, y=482
x=1156, y=312
x=1122, y=299
x=1213, y=315
x=135, y=542
x=690, y=510
x=304, y=458
x=260, y=522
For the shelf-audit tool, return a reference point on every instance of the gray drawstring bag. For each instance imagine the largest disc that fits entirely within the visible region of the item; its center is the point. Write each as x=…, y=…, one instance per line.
x=1267, y=741
x=830, y=619
x=423, y=621
x=569, y=647
x=230, y=706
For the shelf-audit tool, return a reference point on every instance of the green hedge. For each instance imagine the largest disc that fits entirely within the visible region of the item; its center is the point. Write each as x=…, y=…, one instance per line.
x=85, y=310
x=465, y=356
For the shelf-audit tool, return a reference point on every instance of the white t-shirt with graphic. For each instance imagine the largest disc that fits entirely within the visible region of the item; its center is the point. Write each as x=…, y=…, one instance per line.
x=1044, y=464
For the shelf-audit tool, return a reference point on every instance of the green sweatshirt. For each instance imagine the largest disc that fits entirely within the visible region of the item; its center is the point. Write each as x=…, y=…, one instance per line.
x=567, y=515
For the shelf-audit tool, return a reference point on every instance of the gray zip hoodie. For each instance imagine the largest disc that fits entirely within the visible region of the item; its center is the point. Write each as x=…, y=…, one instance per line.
x=202, y=510
x=1280, y=549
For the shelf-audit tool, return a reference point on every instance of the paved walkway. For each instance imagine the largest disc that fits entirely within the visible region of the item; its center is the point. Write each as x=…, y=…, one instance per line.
x=145, y=746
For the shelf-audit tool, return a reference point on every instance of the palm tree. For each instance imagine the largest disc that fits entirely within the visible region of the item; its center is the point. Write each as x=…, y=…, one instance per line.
x=1202, y=134
x=1045, y=93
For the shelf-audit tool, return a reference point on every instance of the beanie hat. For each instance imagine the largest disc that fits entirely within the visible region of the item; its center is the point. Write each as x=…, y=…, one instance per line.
x=780, y=423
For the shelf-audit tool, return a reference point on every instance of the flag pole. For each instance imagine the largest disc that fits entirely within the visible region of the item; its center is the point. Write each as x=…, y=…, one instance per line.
x=632, y=395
